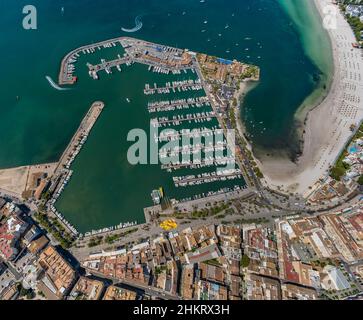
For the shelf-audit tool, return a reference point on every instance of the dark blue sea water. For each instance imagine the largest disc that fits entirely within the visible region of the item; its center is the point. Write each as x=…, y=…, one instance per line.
x=36, y=126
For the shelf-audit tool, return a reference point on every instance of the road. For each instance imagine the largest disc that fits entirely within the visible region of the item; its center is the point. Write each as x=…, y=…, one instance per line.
x=17, y=200
x=244, y=162
x=18, y=276
x=353, y=277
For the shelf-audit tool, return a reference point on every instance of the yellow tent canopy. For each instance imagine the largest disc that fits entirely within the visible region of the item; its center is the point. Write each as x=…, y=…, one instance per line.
x=168, y=224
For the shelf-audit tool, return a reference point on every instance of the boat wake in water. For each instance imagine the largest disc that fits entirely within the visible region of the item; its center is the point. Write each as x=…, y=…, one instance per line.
x=54, y=85
x=138, y=25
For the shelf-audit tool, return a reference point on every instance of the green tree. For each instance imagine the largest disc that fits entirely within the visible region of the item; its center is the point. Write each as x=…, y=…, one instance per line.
x=245, y=261
x=337, y=172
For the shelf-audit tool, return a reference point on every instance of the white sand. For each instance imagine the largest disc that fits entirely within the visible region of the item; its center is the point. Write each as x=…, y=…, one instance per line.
x=14, y=181
x=328, y=125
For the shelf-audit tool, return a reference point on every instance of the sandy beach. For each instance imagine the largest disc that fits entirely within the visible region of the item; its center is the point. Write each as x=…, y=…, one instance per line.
x=328, y=125
x=16, y=181
x=240, y=95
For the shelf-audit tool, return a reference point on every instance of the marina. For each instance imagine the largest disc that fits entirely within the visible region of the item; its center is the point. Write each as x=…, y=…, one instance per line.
x=63, y=173
x=171, y=135
x=193, y=149
x=107, y=66
x=174, y=86
x=165, y=59
x=122, y=225
x=199, y=164
x=66, y=74
x=192, y=118
x=197, y=189
x=179, y=119
x=208, y=177
x=179, y=104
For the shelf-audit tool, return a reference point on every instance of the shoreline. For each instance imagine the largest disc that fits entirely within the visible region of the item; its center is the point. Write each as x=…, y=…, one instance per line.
x=326, y=127
x=18, y=180
x=323, y=90
x=241, y=93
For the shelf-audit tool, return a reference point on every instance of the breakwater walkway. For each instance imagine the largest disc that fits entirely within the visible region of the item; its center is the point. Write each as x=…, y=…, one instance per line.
x=81, y=135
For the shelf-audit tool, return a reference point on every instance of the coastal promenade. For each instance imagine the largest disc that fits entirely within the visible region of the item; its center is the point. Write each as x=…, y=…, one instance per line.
x=242, y=161
x=328, y=126
x=82, y=251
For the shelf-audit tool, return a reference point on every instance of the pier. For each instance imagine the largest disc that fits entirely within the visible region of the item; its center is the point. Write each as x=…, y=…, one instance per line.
x=179, y=119
x=80, y=136
x=62, y=173
x=191, y=180
x=197, y=165
x=167, y=135
x=107, y=65
x=174, y=86
x=199, y=147
x=67, y=68
x=159, y=58
x=179, y=104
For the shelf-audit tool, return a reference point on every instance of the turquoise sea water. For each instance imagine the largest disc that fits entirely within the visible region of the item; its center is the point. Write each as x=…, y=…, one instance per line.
x=105, y=189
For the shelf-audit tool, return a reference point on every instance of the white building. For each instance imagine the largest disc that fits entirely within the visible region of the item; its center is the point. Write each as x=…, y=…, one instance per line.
x=334, y=279
x=354, y=10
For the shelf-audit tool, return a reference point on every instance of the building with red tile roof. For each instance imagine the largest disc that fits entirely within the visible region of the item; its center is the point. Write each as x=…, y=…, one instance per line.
x=10, y=233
